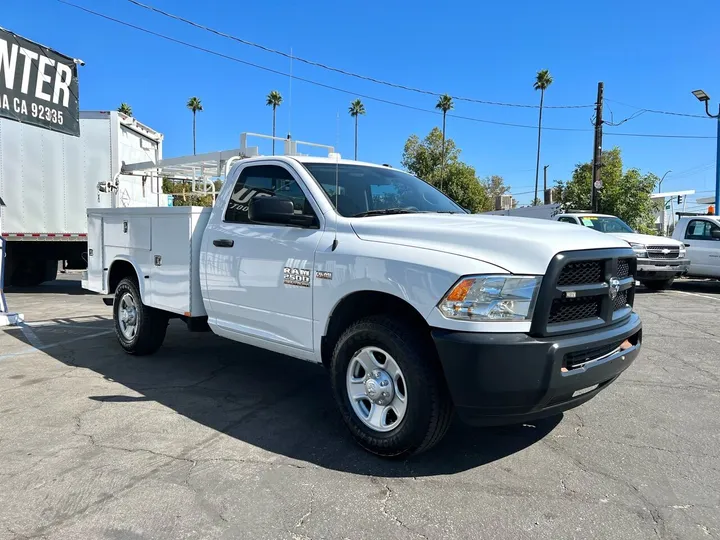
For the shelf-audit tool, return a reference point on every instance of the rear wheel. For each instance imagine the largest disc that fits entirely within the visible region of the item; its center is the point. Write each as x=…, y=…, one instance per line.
x=390, y=388
x=140, y=329
x=33, y=272
x=658, y=284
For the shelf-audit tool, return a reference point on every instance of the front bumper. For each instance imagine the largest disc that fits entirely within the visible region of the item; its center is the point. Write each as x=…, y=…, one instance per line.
x=661, y=268
x=512, y=378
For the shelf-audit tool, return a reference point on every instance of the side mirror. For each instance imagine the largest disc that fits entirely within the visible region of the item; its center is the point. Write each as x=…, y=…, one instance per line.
x=715, y=234
x=276, y=210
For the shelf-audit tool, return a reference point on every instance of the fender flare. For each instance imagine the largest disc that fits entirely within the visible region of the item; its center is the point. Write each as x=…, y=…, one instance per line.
x=138, y=273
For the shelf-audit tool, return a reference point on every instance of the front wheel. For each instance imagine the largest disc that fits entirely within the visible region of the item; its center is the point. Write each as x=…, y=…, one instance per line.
x=140, y=329
x=390, y=388
x=658, y=284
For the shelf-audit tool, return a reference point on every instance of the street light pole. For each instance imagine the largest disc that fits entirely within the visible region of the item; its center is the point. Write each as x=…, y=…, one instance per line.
x=702, y=96
x=661, y=181
x=717, y=167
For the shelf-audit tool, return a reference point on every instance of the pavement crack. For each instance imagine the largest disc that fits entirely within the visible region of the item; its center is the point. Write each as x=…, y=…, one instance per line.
x=581, y=426
x=307, y=514
x=213, y=374
x=392, y=517
x=653, y=510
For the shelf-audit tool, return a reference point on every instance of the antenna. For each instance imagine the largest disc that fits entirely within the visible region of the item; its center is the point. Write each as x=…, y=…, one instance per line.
x=290, y=96
x=337, y=177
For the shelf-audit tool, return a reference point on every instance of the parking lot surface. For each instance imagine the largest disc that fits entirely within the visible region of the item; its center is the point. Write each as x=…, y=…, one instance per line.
x=212, y=439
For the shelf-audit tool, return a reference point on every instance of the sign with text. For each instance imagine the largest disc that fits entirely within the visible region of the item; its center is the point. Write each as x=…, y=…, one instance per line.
x=38, y=86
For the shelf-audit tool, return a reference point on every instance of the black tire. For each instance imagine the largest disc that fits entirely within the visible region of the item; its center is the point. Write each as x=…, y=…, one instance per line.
x=30, y=274
x=151, y=323
x=429, y=407
x=51, y=271
x=658, y=284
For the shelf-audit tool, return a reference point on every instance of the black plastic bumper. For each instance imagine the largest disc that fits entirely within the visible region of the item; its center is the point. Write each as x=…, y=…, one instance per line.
x=511, y=378
x=661, y=268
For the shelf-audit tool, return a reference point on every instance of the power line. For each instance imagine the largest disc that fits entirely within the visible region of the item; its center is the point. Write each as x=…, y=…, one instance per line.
x=295, y=77
x=661, y=135
x=349, y=92
x=656, y=111
x=342, y=71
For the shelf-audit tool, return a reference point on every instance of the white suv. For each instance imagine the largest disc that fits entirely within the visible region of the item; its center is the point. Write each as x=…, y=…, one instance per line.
x=660, y=259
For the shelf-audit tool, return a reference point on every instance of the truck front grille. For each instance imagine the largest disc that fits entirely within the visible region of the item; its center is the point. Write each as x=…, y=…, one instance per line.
x=584, y=290
x=573, y=309
x=663, y=252
x=581, y=272
x=620, y=300
x=623, y=270
x=578, y=358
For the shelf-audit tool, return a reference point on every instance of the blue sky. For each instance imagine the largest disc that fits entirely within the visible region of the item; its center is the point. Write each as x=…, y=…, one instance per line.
x=649, y=54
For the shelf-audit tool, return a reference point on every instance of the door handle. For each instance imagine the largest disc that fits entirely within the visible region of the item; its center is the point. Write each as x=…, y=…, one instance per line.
x=223, y=242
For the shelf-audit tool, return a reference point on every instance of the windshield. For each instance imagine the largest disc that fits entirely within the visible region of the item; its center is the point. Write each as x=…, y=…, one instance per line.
x=606, y=224
x=364, y=190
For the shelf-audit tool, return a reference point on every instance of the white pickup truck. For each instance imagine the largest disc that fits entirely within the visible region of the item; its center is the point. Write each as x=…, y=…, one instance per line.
x=701, y=237
x=660, y=259
x=416, y=308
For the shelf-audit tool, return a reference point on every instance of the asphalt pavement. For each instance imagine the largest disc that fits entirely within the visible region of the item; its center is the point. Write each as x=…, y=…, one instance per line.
x=212, y=439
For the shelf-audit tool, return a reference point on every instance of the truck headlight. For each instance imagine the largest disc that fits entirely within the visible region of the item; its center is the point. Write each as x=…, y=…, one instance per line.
x=683, y=251
x=639, y=249
x=492, y=298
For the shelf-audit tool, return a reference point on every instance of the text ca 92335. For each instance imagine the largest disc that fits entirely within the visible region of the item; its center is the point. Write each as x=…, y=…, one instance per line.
x=20, y=106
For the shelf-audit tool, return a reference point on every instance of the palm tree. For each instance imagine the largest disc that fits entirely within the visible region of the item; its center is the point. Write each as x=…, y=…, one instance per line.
x=125, y=109
x=274, y=99
x=445, y=104
x=194, y=105
x=542, y=81
x=356, y=109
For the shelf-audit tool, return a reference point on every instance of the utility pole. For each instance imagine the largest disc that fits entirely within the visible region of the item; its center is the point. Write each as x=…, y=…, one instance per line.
x=545, y=182
x=597, y=151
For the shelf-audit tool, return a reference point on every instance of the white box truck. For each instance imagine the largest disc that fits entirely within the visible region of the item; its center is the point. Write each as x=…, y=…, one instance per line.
x=49, y=180
x=416, y=308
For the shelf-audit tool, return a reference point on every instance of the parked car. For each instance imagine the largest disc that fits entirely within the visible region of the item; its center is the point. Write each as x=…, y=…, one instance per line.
x=416, y=308
x=701, y=237
x=659, y=259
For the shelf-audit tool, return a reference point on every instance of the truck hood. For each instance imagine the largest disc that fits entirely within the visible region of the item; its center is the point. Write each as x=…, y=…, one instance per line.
x=518, y=245
x=647, y=239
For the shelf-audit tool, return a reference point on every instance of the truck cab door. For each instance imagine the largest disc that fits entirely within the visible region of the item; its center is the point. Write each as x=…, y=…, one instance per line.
x=258, y=277
x=703, y=249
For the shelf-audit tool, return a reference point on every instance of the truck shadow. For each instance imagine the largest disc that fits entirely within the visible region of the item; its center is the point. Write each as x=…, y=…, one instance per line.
x=700, y=286
x=69, y=284
x=267, y=400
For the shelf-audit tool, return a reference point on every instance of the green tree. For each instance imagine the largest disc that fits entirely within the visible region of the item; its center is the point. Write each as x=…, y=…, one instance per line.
x=356, y=109
x=625, y=194
x=459, y=181
x=445, y=104
x=495, y=186
x=181, y=190
x=194, y=105
x=542, y=81
x=273, y=99
x=125, y=109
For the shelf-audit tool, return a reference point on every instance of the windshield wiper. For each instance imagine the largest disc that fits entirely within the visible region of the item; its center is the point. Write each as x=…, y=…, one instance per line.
x=385, y=212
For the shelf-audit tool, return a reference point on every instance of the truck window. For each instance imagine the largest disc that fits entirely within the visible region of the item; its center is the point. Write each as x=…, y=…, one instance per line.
x=699, y=229
x=264, y=181
x=606, y=224
x=568, y=220
x=362, y=188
